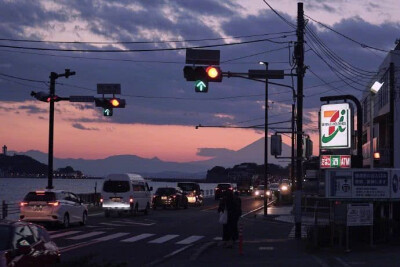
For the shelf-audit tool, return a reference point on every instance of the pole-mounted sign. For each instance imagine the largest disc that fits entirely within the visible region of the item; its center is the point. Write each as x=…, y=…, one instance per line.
x=335, y=126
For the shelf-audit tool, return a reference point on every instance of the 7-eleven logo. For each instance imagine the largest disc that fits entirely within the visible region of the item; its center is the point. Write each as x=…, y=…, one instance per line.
x=335, y=124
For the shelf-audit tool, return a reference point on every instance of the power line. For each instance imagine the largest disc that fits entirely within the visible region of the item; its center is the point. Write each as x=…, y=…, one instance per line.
x=347, y=37
x=140, y=50
x=280, y=16
x=143, y=42
x=256, y=54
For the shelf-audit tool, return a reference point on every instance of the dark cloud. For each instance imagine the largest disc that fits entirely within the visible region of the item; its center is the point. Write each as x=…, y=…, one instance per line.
x=82, y=127
x=32, y=109
x=142, y=82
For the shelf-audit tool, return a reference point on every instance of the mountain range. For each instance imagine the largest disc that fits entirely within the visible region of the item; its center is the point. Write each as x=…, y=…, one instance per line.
x=155, y=167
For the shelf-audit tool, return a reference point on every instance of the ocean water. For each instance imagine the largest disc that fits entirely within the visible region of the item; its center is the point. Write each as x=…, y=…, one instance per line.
x=15, y=189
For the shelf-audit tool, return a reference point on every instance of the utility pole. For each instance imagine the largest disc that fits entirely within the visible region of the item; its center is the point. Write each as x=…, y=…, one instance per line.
x=266, y=141
x=299, y=54
x=53, y=77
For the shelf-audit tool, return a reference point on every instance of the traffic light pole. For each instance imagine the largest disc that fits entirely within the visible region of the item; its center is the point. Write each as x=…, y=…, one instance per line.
x=266, y=141
x=300, y=74
x=53, y=77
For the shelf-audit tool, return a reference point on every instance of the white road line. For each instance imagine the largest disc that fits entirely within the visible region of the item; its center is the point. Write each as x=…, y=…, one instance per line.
x=136, y=223
x=109, y=237
x=96, y=214
x=136, y=238
x=163, y=239
x=320, y=261
x=64, y=234
x=342, y=262
x=79, y=237
x=218, y=238
x=112, y=224
x=189, y=240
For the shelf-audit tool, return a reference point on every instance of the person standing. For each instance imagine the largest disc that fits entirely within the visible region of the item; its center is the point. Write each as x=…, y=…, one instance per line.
x=231, y=205
x=238, y=212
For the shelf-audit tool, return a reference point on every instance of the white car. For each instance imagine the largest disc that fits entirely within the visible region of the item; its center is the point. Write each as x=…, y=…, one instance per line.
x=259, y=192
x=125, y=192
x=54, y=206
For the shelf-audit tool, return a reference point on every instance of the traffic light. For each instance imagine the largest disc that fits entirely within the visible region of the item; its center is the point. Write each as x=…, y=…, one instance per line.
x=44, y=96
x=201, y=76
x=108, y=112
x=110, y=102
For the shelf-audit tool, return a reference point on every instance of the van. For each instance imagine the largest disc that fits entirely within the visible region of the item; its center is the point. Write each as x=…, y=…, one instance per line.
x=125, y=193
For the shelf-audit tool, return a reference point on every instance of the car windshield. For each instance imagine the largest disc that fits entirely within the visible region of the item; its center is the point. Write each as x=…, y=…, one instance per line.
x=187, y=187
x=273, y=186
x=5, y=233
x=40, y=196
x=165, y=191
x=116, y=186
x=224, y=186
x=260, y=187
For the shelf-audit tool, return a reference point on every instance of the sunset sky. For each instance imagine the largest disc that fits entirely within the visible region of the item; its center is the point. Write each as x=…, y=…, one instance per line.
x=162, y=108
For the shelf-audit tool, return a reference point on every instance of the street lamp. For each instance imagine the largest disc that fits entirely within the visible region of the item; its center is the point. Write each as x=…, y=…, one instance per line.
x=374, y=90
x=265, y=139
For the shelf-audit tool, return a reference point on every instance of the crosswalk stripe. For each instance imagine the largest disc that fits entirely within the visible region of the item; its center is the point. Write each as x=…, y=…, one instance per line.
x=112, y=224
x=78, y=237
x=109, y=237
x=189, y=240
x=163, y=239
x=64, y=234
x=136, y=238
x=135, y=223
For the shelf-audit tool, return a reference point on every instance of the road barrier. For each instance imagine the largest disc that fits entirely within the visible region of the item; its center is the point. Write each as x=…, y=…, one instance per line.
x=9, y=208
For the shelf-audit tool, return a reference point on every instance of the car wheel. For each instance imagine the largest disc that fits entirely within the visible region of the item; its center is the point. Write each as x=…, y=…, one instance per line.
x=66, y=221
x=84, y=218
x=106, y=213
x=146, y=211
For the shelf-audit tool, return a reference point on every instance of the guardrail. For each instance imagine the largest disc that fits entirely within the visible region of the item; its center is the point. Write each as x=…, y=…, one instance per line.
x=9, y=208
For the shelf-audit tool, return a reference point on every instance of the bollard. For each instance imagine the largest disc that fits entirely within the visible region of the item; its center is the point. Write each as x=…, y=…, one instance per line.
x=241, y=239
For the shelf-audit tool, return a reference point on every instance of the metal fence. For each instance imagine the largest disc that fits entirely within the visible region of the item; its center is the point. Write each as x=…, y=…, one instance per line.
x=9, y=208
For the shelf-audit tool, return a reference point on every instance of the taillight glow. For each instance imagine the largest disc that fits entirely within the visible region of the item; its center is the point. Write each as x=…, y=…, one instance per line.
x=54, y=204
x=22, y=204
x=101, y=200
x=230, y=188
x=131, y=200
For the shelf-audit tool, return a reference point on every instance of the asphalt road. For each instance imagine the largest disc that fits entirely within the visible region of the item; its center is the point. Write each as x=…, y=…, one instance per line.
x=144, y=239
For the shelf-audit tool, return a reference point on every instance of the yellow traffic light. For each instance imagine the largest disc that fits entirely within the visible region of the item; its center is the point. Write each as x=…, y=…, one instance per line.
x=212, y=72
x=114, y=102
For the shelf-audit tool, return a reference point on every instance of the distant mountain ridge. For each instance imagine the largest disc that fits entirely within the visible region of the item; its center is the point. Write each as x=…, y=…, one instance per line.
x=155, y=167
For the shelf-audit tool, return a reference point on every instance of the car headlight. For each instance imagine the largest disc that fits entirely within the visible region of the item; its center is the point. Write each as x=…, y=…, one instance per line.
x=268, y=193
x=257, y=193
x=284, y=188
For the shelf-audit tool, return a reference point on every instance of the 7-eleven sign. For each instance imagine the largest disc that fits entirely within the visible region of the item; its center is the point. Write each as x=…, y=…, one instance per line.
x=335, y=127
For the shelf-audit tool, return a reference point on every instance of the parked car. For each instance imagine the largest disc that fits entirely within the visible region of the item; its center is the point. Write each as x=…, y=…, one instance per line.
x=53, y=206
x=169, y=197
x=221, y=188
x=26, y=244
x=193, y=192
x=125, y=193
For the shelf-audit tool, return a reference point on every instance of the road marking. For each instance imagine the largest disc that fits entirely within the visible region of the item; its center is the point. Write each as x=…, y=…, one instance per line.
x=342, y=262
x=135, y=223
x=96, y=214
x=163, y=239
x=64, y=234
x=136, y=238
x=303, y=232
x=79, y=237
x=112, y=224
x=218, y=238
x=257, y=209
x=320, y=261
x=266, y=248
x=189, y=240
x=109, y=237
x=210, y=208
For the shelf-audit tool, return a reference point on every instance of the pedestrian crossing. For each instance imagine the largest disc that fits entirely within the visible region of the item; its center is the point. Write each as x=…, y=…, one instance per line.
x=303, y=232
x=124, y=237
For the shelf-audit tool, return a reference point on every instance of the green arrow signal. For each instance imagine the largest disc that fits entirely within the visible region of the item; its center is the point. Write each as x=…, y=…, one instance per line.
x=108, y=112
x=201, y=86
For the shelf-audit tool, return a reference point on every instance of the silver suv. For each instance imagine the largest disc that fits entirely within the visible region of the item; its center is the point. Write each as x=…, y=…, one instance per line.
x=54, y=206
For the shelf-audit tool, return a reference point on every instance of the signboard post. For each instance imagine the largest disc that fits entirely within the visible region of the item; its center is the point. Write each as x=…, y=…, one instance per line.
x=335, y=126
